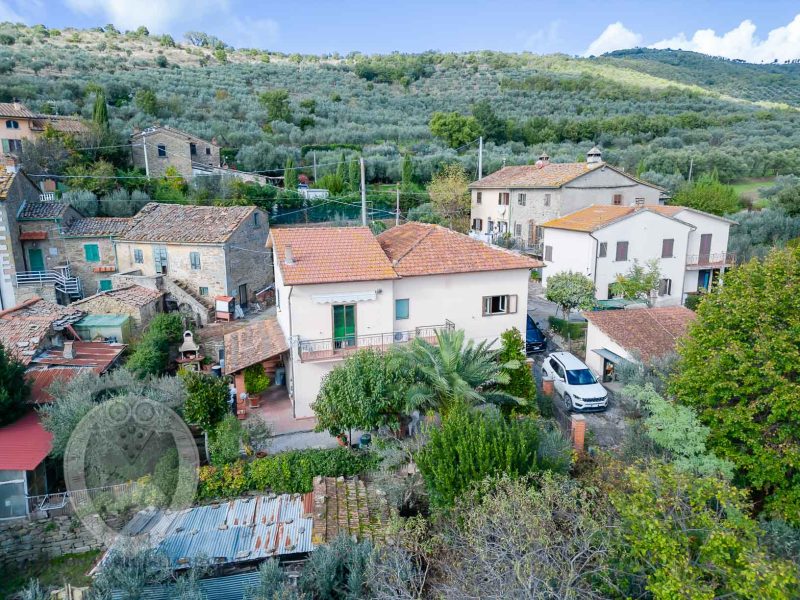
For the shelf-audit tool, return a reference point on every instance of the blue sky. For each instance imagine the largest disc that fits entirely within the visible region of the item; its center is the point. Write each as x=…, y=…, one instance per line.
x=756, y=31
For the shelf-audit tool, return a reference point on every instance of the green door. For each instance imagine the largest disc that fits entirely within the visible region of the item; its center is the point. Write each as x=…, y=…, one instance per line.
x=344, y=326
x=35, y=259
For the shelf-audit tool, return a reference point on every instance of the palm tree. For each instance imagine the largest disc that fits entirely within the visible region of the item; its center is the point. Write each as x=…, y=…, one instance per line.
x=451, y=370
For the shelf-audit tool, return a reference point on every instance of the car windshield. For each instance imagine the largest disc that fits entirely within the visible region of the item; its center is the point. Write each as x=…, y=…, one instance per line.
x=580, y=377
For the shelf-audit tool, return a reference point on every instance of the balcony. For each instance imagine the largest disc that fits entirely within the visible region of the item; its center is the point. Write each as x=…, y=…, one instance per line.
x=326, y=349
x=710, y=260
x=60, y=278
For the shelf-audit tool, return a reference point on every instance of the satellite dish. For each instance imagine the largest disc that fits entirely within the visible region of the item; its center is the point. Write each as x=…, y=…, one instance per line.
x=502, y=210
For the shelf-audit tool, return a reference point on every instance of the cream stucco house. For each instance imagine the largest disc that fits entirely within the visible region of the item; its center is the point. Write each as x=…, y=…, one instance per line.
x=339, y=289
x=516, y=200
x=604, y=241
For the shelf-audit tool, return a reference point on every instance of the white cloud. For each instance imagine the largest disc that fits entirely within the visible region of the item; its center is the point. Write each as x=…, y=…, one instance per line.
x=782, y=43
x=256, y=33
x=615, y=37
x=542, y=40
x=157, y=16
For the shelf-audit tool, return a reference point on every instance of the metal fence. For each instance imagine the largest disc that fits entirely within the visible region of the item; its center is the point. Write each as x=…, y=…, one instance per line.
x=62, y=503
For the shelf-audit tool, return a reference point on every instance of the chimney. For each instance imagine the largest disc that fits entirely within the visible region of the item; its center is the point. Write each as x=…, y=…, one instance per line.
x=17, y=105
x=69, y=350
x=594, y=156
x=289, y=255
x=544, y=159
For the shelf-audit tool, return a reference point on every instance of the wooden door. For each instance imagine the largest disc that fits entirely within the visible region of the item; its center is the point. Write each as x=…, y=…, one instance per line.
x=705, y=247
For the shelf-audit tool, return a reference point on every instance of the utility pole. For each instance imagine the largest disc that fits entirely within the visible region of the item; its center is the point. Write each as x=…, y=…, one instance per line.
x=691, y=165
x=315, y=166
x=480, y=157
x=397, y=208
x=363, y=193
x=144, y=148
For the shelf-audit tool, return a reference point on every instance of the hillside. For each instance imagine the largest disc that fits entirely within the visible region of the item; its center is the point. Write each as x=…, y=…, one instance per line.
x=652, y=111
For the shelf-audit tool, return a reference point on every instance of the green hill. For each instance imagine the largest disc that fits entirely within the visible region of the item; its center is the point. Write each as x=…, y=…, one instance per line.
x=651, y=111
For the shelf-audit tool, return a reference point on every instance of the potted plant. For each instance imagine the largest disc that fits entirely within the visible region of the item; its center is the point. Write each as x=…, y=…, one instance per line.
x=256, y=381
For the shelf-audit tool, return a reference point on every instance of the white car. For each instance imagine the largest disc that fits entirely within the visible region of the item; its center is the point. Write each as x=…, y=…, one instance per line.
x=574, y=382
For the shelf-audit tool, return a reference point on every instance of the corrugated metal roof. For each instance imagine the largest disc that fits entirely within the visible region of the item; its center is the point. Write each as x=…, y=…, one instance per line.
x=242, y=530
x=25, y=443
x=231, y=587
x=102, y=321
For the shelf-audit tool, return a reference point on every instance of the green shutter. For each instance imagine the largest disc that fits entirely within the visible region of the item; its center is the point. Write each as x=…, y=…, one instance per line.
x=105, y=285
x=6, y=146
x=92, y=252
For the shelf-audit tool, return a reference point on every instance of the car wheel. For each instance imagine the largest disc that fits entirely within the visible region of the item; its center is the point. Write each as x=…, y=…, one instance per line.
x=567, y=402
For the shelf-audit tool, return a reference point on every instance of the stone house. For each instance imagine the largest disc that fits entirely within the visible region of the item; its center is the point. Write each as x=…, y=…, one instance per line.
x=18, y=123
x=89, y=248
x=15, y=190
x=138, y=302
x=515, y=201
x=207, y=251
x=159, y=147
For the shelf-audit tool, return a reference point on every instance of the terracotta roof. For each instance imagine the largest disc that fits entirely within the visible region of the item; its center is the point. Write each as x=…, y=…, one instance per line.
x=329, y=255
x=252, y=344
x=671, y=210
x=6, y=181
x=132, y=295
x=36, y=211
x=650, y=332
x=98, y=356
x=425, y=249
x=15, y=109
x=348, y=506
x=23, y=329
x=173, y=131
x=97, y=227
x=60, y=123
x=24, y=444
x=599, y=216
x=181, y=224
x=551, y=175
x=41, y=378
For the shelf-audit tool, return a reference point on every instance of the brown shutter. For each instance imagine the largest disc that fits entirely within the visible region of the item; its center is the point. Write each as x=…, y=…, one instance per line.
x=667, y=247
x=617, y=199
x=622, y=251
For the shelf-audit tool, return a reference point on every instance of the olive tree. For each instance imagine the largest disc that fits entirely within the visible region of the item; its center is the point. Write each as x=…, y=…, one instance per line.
x=571, y=291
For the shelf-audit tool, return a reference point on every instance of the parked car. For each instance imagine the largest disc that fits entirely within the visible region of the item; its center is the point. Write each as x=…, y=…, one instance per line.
x=574, y=382
x=534, y=338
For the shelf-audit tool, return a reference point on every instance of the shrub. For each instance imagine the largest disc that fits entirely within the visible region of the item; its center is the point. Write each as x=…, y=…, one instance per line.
x=472, y=445
x=255, y=379
x=14, y=388
x=565, y=329
x=285, y=473
x=151, y=355
x=521, y=383
x=224, y=441
x=207, y=399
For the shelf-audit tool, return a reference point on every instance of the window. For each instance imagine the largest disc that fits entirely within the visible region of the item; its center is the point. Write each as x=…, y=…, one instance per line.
x=477, y=224
x=499, y=305
x=208, y=151
x=12, y=145
x=617, y=199
x=557, y=369
x=278, y=298
x=489, y=226
x=548, y=253
x=539, y=233
x=203, y=291
x=639, y=201
x=478, y=197
x=193, y=149
x=580, y=377
x=665, y=287
x=518, y=229
x=12, y=494
x=11, y=124
x=194, y=258
x=256, y=220
x=162, y=150
x=622, y=251
x=547, y=199
x=602, y=250
x=667, y=246
x=502, y=198
x=105, y=285
x=401, y=309
x=521, y=199
x=138, y=256
x=91, y=252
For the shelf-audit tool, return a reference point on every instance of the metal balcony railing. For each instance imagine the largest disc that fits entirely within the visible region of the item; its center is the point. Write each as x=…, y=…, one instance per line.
x=60, y=278
x=711, y=260
x=337, y=348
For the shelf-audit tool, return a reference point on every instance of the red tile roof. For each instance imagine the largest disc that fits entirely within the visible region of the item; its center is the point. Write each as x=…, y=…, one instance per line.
x=24, y=444
x=99, y=356
x=15, y=109
x=41, y=378
x=424, y=249
x=650, y=332
x=330, y=255
x=598, y=216
x=551, y=175
x=24, y=328
x=181, y=224
x=97, y=227
x=253, y=344
x=132, y=295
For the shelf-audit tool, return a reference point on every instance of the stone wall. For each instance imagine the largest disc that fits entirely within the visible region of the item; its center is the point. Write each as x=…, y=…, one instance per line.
x=249, y=260
x=178, y=153
x=23, y=540
x=107, y=305
x=76, y=255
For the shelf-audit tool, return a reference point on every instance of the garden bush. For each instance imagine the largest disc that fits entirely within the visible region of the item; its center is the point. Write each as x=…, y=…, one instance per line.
x=255, y=379
x=285, y=473
x=151, y=354
x=224, y=441
x=575, y=330
x=207, y=399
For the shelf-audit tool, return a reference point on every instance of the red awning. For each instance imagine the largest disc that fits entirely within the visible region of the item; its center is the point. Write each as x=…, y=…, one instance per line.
x=27, y=236
x=24, y=444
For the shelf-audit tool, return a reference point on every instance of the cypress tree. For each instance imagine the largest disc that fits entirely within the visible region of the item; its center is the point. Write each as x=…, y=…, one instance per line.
x=354, y=178
x=290, y=176
x=100, y=112
x=407, y=171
